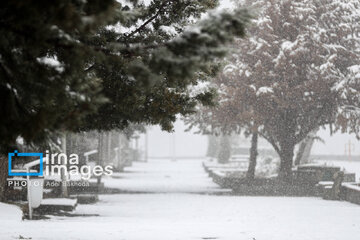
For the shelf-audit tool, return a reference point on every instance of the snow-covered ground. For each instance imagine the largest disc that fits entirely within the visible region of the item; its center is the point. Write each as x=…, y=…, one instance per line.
x=168, y=201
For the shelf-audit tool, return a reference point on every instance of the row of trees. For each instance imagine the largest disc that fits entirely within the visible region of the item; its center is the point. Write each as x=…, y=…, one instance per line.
x=297, y=70
x=73, y=65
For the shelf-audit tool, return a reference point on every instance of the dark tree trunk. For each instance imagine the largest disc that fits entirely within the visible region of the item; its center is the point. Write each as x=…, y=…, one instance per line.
x=300, y=153
x=305, y=149
x=225, y=149
x=101, y=153
x=3, y=176
x=286, y=162
x=250, y=175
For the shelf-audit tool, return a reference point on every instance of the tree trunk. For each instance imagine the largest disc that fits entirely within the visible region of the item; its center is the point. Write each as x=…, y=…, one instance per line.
x=286, y=161
x=64, y=177
x=225, y=149
x=100, y=153
x=212, y=146
x=3, y=176
x=304, y=151
x=119, y=156
x=250, y=175
x=300, y=153
x=108, y=149
x=146, y=154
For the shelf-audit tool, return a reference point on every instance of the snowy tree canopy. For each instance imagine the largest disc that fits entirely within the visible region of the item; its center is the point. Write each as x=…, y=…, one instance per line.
x=292, y=73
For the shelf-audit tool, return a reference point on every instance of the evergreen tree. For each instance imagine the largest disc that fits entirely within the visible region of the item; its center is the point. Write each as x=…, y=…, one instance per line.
x=122, y=63
x=43, y=85
x=160, y=61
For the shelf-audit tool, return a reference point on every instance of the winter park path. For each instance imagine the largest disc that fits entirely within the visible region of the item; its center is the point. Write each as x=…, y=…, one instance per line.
x=167, y=200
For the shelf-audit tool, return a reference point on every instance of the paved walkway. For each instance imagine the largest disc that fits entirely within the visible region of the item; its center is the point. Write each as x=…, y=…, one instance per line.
x=165, y=176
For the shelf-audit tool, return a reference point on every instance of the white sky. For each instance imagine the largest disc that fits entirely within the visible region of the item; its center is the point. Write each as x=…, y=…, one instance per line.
x=336, y=144
x=186, y=144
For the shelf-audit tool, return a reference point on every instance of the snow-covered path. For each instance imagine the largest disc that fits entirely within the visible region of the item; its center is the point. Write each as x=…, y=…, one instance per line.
x=168, y=201
x=165, y=176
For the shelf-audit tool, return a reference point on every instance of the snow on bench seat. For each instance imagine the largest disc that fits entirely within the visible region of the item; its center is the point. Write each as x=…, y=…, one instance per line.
x=219, y=173
x=59, y=201
x=352, y=186
x=326, y=183
x=351, y=192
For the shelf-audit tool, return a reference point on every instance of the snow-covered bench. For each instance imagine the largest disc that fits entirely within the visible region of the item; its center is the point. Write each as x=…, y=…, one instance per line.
x=351, y=192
